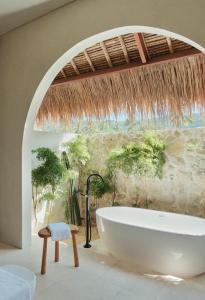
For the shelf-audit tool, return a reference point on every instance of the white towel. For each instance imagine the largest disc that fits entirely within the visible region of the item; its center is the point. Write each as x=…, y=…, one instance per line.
x=59, y=231
x=13, y=287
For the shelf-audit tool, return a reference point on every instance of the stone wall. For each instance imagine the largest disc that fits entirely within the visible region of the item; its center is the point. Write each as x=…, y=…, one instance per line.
x=182, y=187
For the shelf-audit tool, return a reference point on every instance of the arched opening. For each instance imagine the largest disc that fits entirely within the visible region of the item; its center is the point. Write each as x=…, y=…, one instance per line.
x=40, y=93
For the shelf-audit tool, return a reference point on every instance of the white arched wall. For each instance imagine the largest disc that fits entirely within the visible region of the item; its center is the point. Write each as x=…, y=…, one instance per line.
x=29, y=61
x=49, y=77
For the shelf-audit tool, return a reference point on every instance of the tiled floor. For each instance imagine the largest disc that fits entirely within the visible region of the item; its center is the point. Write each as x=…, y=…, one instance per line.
x=99, y=276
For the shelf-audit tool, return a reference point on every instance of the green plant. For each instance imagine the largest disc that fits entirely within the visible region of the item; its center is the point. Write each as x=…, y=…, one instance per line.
x=115, y=203
x=99, y=188
x=74, y=158
x=135, y=205
x=50, y=171
x=47, y=174
x=136, y=202
x=143, y=159
x=92, y=207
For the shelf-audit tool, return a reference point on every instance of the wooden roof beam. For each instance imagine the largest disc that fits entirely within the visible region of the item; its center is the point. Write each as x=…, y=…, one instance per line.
x=89, y=60
x=158, y=60
x=141, y=47
x=169, y=42
x=63, y=73
x=124, y=49
x=102, y=45
x=75, y=67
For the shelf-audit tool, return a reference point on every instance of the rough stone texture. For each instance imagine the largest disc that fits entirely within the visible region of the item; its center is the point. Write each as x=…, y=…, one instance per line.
x=182, y=187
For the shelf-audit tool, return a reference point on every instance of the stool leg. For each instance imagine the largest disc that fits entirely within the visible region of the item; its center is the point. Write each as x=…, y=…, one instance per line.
x=75, y=250
x=56, y=251
x=43, y=264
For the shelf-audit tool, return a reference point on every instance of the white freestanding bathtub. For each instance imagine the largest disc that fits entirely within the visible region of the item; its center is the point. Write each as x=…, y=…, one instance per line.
x=162, y=242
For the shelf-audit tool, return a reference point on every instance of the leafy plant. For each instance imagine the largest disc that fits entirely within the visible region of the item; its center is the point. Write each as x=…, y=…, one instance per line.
x=136, y=202
x=74, y=158
x=99, y=188
x=143, y=159
x=50, y=171
x=77, y=152
x=47, y=174
x=115, y=203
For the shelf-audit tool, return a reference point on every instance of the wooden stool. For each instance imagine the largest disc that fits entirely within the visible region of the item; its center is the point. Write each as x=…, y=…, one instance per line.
x=45, y=234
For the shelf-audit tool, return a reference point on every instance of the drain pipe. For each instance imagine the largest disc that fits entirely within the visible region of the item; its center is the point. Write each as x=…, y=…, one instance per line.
x=87, y=209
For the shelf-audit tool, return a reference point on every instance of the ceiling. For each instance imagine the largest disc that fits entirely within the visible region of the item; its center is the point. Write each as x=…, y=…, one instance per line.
x=14, y=13
x=123, y=52
x=142, y=74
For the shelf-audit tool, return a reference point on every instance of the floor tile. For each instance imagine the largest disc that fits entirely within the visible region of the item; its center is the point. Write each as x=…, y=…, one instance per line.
x=99, y=277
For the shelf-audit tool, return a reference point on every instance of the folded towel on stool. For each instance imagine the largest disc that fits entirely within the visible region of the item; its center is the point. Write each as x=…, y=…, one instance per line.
x=59, y=231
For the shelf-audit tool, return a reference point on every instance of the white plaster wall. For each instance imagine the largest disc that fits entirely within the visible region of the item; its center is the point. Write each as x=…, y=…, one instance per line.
x=49, y=139
x=28, y=52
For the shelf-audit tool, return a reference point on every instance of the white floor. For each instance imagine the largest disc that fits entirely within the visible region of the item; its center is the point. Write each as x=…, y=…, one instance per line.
x=99, y=276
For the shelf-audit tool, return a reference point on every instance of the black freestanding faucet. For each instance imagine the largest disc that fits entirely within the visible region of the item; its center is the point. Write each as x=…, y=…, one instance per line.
x=88, y=224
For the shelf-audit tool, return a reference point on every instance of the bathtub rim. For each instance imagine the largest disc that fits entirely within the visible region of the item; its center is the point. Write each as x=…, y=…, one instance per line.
x=150, y=228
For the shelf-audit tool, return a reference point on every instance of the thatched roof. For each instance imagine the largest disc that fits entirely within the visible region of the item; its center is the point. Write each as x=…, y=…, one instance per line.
x=160, y=78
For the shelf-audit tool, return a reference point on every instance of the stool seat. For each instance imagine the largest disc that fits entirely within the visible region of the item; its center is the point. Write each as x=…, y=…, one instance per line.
x=45, y=234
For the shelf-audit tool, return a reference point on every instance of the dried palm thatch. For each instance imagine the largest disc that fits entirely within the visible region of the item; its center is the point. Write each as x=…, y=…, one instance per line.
x=157, y=91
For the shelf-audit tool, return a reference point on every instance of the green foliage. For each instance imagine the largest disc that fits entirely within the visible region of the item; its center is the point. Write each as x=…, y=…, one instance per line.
x=136, y=202
x=48, y=197
x=136, y=205
x=116, y=203
x=50, y=171
x=143, y=159
x=99, y=188
x=45, y=177
x=75, y=156
x=77, y=152
x=66, y=211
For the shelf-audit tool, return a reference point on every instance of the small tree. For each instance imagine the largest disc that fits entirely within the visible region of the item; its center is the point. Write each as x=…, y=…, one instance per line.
x=144, y=159
x=47, y=174
x=74, y=158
